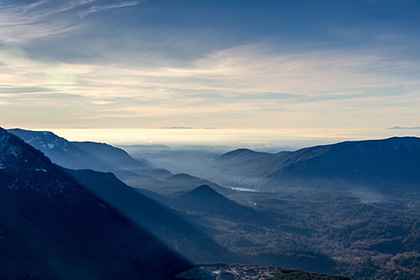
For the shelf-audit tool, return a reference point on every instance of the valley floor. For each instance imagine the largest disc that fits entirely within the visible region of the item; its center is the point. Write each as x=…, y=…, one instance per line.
x=249, y=272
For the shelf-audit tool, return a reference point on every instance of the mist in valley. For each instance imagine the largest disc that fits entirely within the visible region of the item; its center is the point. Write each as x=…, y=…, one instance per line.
x=333, y=224
x=305, y=209
x=198, y=161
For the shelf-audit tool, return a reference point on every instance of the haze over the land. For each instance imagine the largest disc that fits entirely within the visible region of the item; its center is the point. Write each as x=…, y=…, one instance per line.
x=221, y=72
x=350, y=208
x=227, y=139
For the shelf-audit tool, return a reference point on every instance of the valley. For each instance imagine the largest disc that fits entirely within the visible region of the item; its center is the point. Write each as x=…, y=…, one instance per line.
x=250, y=272
x=357, y=231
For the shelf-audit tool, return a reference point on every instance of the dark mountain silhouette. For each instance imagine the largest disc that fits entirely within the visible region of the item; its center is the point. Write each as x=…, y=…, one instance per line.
x=156, y=218
x=246, y=154
x=204, y=201
x=384, y=165
x=168, y=183
x=207, y=201
x=52, y=227
x=188, y=182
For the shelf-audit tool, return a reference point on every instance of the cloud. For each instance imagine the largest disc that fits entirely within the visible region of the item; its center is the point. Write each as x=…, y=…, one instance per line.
x=22, y=90
x=178, y=127
x=20, y=23
x=242, y=86
x=404, y=127
x=98, y=8
x=25, y=22
x=244, y=72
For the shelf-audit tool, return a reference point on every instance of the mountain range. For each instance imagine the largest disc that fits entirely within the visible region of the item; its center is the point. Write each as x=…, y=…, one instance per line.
x=103, y=157
x=53, y=227
x=83, y=155
x=180, y=216
x=383, y=165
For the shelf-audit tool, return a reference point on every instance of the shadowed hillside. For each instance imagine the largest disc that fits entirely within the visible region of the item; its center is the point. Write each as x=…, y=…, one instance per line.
x=51, y=227
x=156, y=218
x=384, y=165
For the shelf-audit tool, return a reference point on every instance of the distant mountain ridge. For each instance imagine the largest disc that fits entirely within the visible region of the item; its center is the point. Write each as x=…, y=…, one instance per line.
x=113, y=155
x=84, y=155
x=103, y=157
x=379, y=164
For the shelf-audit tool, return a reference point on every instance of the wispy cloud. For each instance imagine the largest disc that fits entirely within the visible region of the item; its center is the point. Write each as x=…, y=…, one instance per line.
x=404, y=127
x=252, y=85
x=98, y=8
x=178, y=127
x=20, y=23
x=24, y=22
x=233, y=87
x=246, y=73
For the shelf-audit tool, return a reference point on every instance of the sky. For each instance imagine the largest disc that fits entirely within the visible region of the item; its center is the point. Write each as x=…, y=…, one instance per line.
x=219, y=70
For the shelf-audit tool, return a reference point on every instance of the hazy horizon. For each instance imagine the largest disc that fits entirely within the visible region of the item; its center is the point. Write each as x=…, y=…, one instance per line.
x=227, y=138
